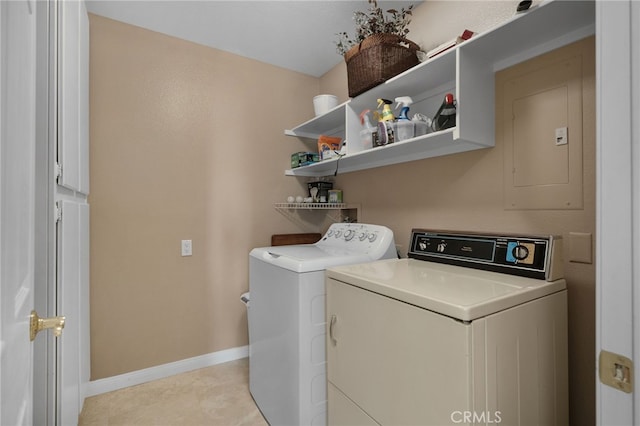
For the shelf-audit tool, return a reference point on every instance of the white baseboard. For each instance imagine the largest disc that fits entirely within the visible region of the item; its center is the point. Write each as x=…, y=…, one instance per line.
x=121, y=381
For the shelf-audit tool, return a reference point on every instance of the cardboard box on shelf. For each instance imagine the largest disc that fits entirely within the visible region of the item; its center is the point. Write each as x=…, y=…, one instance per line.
x=327, y=146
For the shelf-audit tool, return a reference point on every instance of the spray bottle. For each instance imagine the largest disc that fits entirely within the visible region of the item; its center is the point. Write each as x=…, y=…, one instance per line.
x=404, y=102
x=387, y=114
x=404, y=128
x=369, y=132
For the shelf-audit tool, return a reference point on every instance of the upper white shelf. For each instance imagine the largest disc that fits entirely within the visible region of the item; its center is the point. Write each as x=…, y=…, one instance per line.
x=468, y=70
x=546, y=27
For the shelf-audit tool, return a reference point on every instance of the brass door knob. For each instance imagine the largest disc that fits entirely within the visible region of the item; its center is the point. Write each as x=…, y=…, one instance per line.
x=37, y=324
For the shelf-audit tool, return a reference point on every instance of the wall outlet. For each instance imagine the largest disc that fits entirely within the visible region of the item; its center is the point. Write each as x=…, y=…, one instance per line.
x=186, y=248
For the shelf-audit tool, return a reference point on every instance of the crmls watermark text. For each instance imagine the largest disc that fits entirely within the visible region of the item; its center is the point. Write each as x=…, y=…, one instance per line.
x=488, y=417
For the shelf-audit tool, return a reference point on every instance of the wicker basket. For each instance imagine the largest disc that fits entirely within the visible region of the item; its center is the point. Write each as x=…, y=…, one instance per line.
x=377, y=59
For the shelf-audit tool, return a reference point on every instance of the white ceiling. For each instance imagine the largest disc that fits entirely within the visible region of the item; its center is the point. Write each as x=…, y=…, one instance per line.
x=295, y=34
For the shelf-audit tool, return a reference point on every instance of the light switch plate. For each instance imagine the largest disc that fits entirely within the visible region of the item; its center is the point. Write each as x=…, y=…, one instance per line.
x=561, y=136
x=186, y=248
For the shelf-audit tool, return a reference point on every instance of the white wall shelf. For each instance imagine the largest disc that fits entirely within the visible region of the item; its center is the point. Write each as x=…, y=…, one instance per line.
x=330, y=124
x=468, y=72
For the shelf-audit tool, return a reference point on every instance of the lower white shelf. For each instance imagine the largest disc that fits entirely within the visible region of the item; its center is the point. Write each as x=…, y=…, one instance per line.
x=431, y=145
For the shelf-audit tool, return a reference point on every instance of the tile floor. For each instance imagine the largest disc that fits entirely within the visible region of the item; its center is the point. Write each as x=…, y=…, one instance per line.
x=211, y=396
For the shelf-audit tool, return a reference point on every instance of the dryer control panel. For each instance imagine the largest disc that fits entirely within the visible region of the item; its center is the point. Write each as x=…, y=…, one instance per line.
x=530, y=256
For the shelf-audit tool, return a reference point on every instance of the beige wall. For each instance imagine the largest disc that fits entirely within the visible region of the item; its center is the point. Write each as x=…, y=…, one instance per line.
x=187, y=142
x=465, y=192
x=172, y=159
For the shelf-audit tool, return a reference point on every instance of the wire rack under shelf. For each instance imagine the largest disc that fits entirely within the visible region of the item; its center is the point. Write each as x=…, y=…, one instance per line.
x=312, y=206
x=335, y=212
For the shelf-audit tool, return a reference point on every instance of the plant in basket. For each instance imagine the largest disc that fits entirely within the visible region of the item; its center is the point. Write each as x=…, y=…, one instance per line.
x=379, y=49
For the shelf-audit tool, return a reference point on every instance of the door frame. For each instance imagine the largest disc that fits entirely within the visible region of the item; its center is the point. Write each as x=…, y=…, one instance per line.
x=44, y=369
x=617, y=201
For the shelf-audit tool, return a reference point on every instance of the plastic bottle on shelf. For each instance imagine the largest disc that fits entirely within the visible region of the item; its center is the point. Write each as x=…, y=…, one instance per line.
x=369, y=132
x=422, y=124
x=387, y=114
x=386, y=124
x=404, y=128
x=403, y=102
x=446, y=115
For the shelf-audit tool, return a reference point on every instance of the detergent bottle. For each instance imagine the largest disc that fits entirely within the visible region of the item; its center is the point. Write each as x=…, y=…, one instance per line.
x=386, y=124
x=404, y=128
x=446, y=115
x=369, y=132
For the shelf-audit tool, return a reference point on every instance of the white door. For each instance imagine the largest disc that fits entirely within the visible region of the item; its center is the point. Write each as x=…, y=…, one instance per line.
x=17, y=200
x=618, y=210
x=36, y=55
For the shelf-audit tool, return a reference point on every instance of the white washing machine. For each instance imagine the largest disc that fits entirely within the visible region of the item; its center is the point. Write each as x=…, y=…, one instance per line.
x=470, y=329
x=287, y=363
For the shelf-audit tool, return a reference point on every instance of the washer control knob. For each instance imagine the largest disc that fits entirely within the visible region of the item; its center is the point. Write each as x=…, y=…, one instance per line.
x=372, y=237
x=348, y=236
x=363, y=236
x=441, y=247
x=338, y=233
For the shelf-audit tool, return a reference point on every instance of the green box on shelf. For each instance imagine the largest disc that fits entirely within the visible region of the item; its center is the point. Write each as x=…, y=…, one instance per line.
x=303, y=159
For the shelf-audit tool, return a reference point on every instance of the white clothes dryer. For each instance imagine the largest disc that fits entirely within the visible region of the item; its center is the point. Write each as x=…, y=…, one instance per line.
x=470, y=329
x=287, y=363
